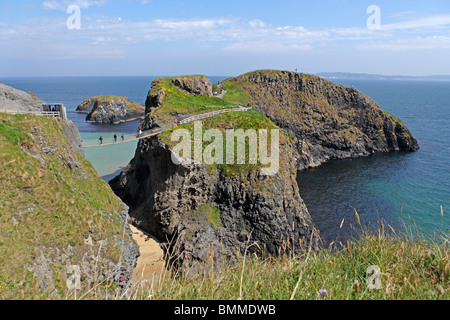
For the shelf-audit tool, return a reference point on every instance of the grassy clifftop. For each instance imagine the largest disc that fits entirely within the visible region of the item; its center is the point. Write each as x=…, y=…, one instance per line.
x=55, y=212
x=177, y=101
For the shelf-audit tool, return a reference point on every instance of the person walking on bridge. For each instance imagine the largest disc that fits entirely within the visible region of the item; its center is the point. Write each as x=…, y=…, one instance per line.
x=101, y=139
x=115, y=137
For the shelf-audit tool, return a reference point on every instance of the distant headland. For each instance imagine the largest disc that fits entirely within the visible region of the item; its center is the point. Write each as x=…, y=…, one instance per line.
x=368, y=76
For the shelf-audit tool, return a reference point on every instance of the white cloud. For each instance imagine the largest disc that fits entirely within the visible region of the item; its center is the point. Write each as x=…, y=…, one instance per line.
x=422, y=24
x=229, y=34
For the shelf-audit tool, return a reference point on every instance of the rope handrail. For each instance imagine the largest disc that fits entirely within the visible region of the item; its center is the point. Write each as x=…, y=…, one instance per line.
x=154, y=132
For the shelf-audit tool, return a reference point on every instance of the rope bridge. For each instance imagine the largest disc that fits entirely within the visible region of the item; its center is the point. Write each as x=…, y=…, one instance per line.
x=154, y=132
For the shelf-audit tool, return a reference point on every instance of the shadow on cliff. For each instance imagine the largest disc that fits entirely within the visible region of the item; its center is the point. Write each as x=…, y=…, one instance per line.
x=109, y=177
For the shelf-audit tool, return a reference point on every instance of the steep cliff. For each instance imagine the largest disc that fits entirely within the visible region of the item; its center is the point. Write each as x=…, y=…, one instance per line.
x=328, y=121
x=210, y=212
x=61, y=226
x=110, y=110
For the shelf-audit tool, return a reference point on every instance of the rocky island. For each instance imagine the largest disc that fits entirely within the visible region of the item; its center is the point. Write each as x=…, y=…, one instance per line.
x=212, y=211
x=326, y=120
x=110, y=110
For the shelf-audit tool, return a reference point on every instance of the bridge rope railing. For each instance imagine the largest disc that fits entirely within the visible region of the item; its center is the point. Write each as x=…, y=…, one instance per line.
x=153, y=132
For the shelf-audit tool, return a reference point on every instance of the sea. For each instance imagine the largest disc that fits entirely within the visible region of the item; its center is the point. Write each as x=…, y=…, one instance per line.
x=398, y=192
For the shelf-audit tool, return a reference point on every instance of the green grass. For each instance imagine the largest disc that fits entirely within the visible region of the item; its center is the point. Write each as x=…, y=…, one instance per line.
x=233, y=120
x=410, y=270
x=211, y=213
x=46, y=204
x=390, y=115
x=179, y=102
x=235, y=92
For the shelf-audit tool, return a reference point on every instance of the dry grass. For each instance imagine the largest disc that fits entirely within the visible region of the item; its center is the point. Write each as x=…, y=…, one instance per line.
x=409, y=269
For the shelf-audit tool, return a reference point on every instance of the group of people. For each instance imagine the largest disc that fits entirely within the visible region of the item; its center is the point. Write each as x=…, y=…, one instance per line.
x=115, y=138
x=122, y=137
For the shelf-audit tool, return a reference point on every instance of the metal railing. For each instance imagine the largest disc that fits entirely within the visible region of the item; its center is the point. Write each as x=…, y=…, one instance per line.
x=38, y=113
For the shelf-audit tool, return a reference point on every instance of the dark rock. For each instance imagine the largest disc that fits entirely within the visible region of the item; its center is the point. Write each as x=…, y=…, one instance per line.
x=175, y=203
x=111, y=110
x=12, y=99
x=328, y=121
x=154, y=99
x=197, y=85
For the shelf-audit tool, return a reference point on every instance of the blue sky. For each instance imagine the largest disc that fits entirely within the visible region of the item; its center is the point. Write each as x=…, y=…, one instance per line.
x=153, y=37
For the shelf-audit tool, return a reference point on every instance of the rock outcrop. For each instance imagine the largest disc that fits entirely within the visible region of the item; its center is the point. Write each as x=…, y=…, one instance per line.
x=203, y=212
x=110, y=110
x=207, y=215
x=12, y=99
x=198, y=85
x=155, y=96
x=328, y=121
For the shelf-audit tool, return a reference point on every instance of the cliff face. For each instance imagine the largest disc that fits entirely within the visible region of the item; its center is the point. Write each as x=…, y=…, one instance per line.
x=329, y=121
x=201, y=210
x=60, y=222
x=110, y=110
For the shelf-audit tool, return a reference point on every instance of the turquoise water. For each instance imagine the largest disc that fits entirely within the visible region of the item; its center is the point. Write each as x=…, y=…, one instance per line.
x=400, y=188
x=109, y=161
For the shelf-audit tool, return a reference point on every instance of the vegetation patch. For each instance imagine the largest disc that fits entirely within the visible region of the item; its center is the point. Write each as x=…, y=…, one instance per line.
x=375, y=266
x=178, y=102
x=51, y=198
x=249, y=120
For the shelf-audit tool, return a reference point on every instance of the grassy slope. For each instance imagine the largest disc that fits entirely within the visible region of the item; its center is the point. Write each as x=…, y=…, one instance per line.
x=179, y=102
x=236, y=120
x=410, y=270
x=45, y=205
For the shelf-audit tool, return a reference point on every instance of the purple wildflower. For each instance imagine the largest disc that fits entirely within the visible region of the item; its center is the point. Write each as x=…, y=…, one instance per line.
x=323, y=292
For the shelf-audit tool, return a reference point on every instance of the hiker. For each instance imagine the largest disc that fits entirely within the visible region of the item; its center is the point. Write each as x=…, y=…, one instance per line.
x=101, y=139
x=140, y=133
x=115, y=138
x=123, y=138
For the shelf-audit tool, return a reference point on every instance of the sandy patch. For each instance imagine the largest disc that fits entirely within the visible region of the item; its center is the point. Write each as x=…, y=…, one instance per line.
x=150, y=262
